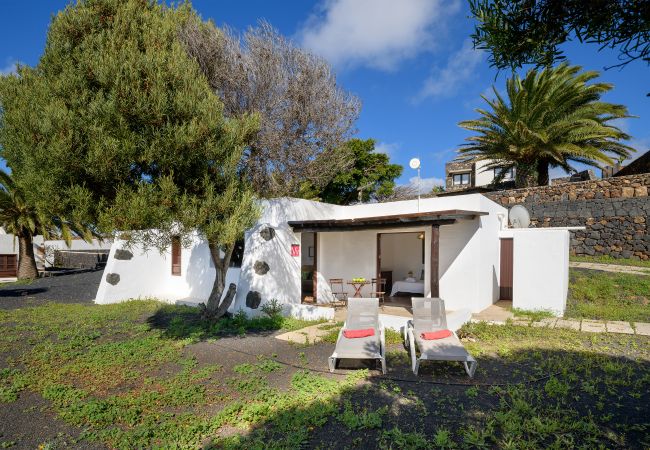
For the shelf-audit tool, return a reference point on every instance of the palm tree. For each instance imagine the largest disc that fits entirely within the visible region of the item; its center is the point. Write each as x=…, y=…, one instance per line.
x=551, y=118
x=24, y=221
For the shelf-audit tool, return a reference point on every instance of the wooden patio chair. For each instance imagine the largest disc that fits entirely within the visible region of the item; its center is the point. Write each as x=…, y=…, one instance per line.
x=378, y=289
x=338, y=291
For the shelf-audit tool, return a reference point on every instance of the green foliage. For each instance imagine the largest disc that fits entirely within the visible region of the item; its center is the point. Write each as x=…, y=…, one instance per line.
x=131, y=385
x=272, y=308
x=595, y=294
x=360, y=419
x=25, y=219
x=370, y=177
x=551, y=118
x=396, y=438
x=520, y=32
x=606, y=259
x=534, y=315
x=118, y=126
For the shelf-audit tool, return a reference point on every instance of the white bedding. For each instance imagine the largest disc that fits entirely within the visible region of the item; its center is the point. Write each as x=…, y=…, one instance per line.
x=413, y=287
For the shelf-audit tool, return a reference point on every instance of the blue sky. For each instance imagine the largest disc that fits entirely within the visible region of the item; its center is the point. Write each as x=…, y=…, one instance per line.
x=410, y=62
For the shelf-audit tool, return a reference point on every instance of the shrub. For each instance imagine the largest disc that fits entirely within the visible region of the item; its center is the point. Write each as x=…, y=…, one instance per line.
x=272, y=308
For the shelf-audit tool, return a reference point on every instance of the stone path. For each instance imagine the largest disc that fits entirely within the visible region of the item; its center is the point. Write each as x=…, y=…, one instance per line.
x=610, y=268
x=586, y=325
x=308, y=335
x=500, y=313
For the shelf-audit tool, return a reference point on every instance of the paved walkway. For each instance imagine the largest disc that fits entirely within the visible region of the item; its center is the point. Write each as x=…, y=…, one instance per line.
x=610, y=268
x=500, y=314
x=307, y=335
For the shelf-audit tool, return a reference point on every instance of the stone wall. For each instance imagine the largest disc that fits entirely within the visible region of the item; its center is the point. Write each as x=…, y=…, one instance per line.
x=614, y=210
x=80, y=259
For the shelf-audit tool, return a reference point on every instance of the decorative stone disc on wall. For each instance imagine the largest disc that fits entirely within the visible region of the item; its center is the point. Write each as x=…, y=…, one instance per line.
x=267, y=233
x=253, y=299
x=261, y=267
x=113, y=278
x=123, y=255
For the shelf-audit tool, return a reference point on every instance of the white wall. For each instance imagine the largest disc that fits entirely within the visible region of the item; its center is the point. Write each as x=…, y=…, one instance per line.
x=540, y=269
x=148, y=274
x=8, y=244
x=482, y=176
x=402, y=253
x=468, y=257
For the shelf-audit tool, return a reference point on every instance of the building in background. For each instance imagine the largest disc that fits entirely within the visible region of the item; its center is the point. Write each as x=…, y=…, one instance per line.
x=467, y=173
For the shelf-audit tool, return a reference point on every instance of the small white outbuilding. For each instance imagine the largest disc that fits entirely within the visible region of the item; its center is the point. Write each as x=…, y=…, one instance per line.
x=454, y=247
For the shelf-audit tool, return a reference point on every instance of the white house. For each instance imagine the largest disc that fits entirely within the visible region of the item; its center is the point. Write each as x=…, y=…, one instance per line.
x=458, y=248
x=43, y=251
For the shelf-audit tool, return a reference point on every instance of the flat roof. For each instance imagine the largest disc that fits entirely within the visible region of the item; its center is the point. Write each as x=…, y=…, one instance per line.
x=377, y=222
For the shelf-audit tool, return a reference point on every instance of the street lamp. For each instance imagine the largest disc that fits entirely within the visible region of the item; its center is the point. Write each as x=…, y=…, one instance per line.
x=415, y=164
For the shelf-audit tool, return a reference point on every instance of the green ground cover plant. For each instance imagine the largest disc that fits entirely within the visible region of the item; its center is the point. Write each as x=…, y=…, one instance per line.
x=128, y=376
x=609, y=296
x=605, y=259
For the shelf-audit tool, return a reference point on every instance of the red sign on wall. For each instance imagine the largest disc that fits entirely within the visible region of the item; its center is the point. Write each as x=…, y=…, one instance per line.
x=295, y=250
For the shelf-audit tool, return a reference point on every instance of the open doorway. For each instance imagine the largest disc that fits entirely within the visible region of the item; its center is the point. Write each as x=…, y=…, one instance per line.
x=308, y=267
x=401, y=263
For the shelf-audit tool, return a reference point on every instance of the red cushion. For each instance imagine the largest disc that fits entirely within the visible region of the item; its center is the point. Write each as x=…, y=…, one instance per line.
x=431, y=335
x=351, y=334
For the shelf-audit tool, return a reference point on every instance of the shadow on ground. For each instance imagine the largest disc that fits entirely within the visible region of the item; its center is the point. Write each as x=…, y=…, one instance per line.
x=558, y=399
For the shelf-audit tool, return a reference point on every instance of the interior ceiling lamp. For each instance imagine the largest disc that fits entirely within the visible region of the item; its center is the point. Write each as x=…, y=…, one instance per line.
x=421, y=235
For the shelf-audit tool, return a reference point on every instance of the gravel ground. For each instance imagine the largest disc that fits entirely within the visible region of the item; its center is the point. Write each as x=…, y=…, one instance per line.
x=77, y=287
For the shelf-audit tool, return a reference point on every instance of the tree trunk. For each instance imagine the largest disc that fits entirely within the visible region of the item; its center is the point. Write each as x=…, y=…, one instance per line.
x=215, y=307
x=26, y=260
x=525, y=176
x=542, y=173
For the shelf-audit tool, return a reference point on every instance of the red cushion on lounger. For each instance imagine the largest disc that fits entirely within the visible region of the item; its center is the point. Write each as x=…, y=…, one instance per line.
x=431, y=335
x=351, y=334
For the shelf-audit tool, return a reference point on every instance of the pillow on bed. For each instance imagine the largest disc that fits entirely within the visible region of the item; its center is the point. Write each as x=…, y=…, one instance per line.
x=410, y=280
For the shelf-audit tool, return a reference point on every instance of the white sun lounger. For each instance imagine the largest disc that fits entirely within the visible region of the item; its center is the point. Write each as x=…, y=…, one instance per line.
x=363, y=313
x=429, y=315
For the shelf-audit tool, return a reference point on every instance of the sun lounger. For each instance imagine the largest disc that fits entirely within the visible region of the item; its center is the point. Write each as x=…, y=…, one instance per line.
x=429, y=316
x=363, y=316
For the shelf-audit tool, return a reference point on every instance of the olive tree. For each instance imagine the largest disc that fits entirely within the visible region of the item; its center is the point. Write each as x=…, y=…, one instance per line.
x=304, y=115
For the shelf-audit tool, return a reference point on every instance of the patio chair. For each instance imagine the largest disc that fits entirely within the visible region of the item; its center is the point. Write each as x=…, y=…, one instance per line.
x=378, y=289
x=338, y=292
x=363, y=315
x=429, y=316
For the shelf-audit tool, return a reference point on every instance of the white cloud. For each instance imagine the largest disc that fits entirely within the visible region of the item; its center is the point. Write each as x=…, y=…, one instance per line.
x=387, y=148
x=374, y=33
x=426, y=184
x=460, y=68
x=9, y=68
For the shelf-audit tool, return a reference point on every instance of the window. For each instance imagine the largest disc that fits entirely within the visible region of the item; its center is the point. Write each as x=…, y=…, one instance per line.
x=508, y=175
x=461, y=179
x=176, y=255
x=237, y=254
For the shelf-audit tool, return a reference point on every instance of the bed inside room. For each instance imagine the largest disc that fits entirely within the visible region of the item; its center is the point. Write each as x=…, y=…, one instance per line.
x=402, y=264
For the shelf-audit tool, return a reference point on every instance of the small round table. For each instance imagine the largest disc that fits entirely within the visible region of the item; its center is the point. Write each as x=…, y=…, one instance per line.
x=358, y=285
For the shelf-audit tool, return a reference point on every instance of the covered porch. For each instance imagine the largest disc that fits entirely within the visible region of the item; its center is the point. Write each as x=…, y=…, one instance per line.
x=338, y=252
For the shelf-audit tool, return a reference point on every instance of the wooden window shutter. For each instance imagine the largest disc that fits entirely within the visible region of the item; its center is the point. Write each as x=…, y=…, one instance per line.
x=176, y=255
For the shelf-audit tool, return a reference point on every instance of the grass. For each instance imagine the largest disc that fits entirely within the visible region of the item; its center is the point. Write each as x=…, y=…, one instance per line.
x=125, y=374
x=608, y=296
x=535, y=315
x=605, y=259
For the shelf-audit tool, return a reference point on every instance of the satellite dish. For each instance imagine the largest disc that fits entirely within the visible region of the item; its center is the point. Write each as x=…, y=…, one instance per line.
x=519, y=217
x=414, y=163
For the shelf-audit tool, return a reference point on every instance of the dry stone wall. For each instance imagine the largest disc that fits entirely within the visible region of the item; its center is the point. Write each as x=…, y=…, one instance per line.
x=614, y=211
